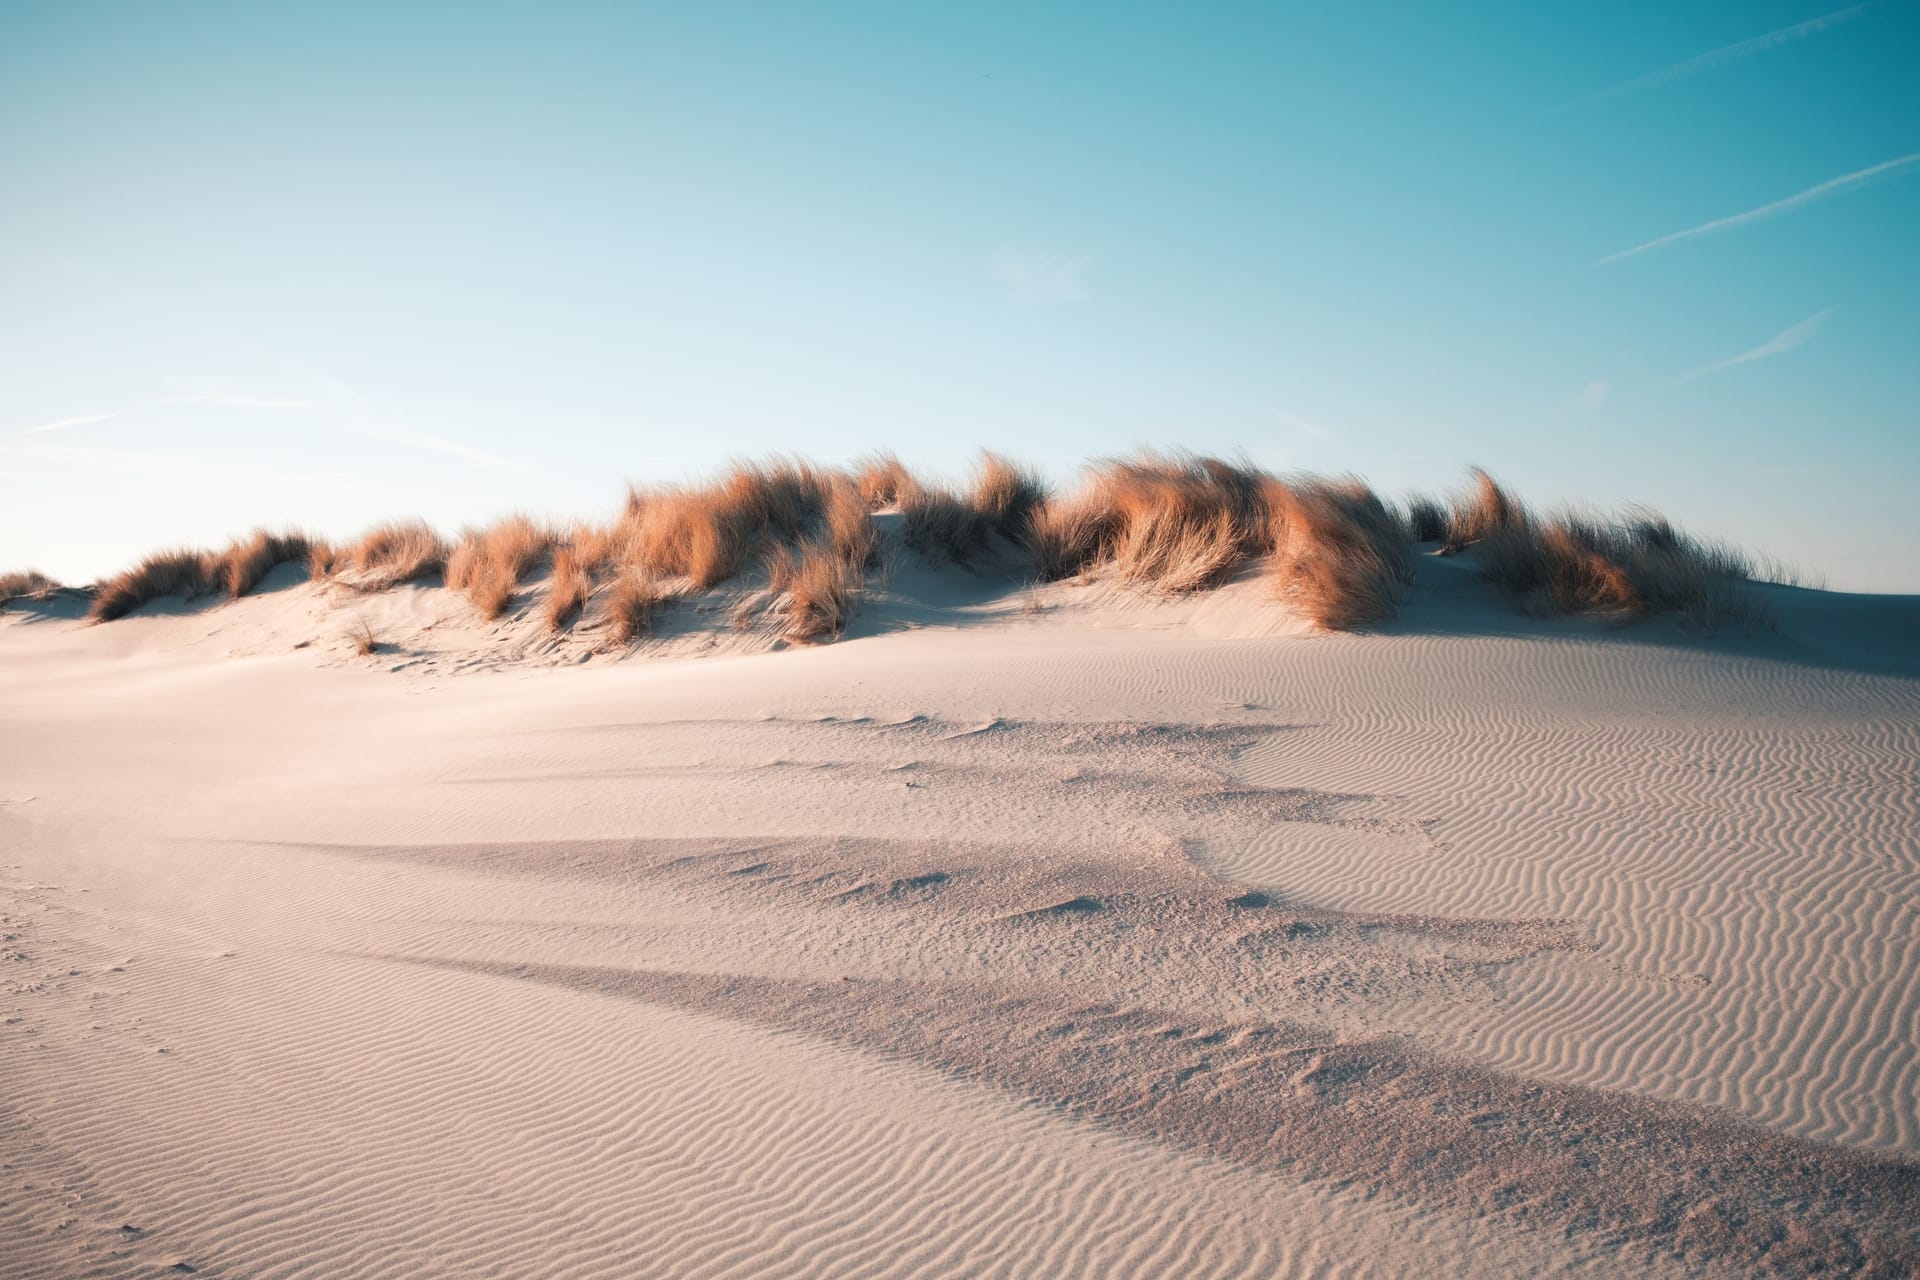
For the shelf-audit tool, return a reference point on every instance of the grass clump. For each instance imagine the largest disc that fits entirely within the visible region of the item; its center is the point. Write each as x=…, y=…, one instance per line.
x=1482, y=511
x=27, y=584
x=388, y=555
x=1573, y=563
x=708, y=533
x=630, y=606
x=246, y=561
x=821, y=586
x=883, y=482
x=181, y=572
x=1426, y=519
x=1340, y=554
x=1168, y=523
x=567, y=591
x=488, y=564
x=1006, y=495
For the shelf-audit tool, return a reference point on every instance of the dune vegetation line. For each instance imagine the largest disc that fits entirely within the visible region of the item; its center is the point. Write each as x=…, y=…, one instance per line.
x=1332, y=549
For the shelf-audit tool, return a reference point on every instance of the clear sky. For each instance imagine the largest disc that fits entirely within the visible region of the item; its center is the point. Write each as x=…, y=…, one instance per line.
x=321, y=264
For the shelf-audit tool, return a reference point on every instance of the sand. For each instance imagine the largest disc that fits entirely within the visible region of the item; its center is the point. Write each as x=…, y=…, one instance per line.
x=1016, y=934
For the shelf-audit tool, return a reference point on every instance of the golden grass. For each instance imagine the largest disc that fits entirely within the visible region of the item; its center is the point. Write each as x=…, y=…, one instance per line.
x=390, y=554
x=821, y=586
x=707, y=533
x=27, y=584
x=1340, y=553
x=883, y=481
x=1168, y=523
x=246, y=561
x=364, y=642
x=568, y=589
x=183, y=572
x=849, y=527
x=1006, y=495
x=488, y=564
x=1483, y=510
x=630, y=606
x=321, y=560
x=1574, y=563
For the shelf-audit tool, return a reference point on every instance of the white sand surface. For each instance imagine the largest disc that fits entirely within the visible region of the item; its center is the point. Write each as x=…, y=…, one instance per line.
x=1016, y=934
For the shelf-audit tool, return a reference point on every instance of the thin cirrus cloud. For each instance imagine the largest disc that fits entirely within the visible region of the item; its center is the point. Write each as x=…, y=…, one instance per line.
x=1779, y=344
x=214, y=399
x=1721, y=56
x=1821, y=191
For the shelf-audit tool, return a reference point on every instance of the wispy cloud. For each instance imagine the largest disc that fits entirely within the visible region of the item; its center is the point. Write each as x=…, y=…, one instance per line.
x=1780, y=343
x=214, y=399
x=1720, y=57
x=1307, y=427
x=1831, y=187
x=1593, y=395
x=1040, y=278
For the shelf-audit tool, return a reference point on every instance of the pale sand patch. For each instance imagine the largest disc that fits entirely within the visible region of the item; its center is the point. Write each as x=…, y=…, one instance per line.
x=1097, y=942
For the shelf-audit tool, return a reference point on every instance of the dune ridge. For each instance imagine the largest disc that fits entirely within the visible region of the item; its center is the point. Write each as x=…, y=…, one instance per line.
x=1067, y=929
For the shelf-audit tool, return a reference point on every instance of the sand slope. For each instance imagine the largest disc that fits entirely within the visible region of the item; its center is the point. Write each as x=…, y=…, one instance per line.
x=1082, y=936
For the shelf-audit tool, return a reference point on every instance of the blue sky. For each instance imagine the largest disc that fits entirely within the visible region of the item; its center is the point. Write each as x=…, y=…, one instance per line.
x=326, y=264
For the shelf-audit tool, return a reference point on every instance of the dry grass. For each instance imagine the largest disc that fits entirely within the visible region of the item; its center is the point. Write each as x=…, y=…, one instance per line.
x=883, y=481
x=1006, y=495
x=28, y=584
x=364, y=642
x=246, y=561
x=567, y=591
x=488, y=564
x=1159, y=522
x=389, y=555
x=1484, y=510
x=1066, y=535
x=182, y=572
x=322, y=557
x=938, y=522
x=1340, y=553
x=821, y=587
x=630, y=606
x=1426, y=519
x=1575, y=563
x=849, y=527
x=708, y=533
x=1168, y=523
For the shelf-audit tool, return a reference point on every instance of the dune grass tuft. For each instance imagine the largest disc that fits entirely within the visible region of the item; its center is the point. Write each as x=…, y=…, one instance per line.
x=821, y=585
x=246, y=561
x=1576, y=563
x=27, y=584
x=1167, y=523
x=708, y=533
x=1426, y=519
x=1006, y=495
x=181, y=572
x=1482, y=511
x=568, y=589
x=388, y=555
x=630, y=605
x=489, y=564
x=1340, y=553
x=883, y=481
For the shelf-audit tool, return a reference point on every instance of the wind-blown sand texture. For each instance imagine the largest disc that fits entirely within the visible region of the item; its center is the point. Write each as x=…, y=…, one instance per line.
x=1056, y=933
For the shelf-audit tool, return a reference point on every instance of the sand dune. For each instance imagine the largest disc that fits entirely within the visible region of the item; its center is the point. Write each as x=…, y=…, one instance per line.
x=1062, y=934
